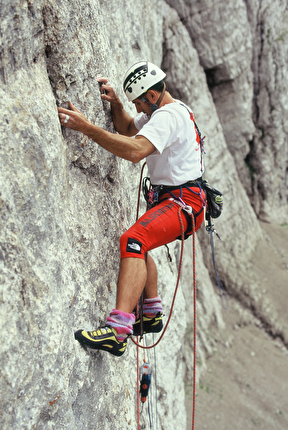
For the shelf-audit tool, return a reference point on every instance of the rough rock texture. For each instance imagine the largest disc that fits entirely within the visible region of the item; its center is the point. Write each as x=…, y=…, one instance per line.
x=241, y=46
x=65, y=202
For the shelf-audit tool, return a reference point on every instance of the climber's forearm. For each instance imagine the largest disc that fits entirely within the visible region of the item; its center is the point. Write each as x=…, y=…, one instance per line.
x=129, y=148
x=122, y=121
x=122, y=146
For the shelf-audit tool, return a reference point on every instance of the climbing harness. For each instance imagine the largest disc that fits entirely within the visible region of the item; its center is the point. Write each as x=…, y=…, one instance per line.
x=153, y=193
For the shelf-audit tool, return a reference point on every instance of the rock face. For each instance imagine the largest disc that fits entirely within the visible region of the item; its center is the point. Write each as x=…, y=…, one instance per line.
x=244, y=59
x=65, y=202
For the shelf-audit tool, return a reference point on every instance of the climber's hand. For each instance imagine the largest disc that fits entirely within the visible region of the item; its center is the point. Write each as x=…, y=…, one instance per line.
x=107, y=91
x=72, y=118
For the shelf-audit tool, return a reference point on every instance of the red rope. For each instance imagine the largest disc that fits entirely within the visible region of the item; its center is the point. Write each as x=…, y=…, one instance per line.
x=172, y=306
x=138, y=374
x=194, y=325
x=176, y=288
x=139, y=191
x=138, y=394
x=170, y=314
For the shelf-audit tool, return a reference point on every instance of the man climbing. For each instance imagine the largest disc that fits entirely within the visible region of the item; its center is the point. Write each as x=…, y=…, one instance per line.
x=165, y=134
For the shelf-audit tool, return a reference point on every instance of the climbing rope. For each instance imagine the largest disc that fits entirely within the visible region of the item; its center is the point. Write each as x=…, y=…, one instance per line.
x=138, y=393
x=176, y=288
x=194, y=325
x=172, y=306
x=139, y=191
x=155, y=379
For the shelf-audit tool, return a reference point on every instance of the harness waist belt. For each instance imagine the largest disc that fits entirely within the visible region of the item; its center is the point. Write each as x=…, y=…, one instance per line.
x=175, y=187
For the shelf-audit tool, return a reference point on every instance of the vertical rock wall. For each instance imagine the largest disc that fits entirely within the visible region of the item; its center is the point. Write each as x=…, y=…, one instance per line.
x=242, y=46
x=64, y=204
x=65, y=201
x=267, y=158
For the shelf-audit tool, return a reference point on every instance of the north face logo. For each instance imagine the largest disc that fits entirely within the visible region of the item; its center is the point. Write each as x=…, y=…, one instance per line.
x=133, y=246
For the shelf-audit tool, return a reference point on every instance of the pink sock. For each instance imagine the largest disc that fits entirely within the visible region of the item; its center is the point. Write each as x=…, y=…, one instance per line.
x=121, y=322
x=151, y=307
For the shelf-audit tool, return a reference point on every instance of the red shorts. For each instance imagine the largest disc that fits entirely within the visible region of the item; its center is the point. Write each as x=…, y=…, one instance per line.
x=160, y=225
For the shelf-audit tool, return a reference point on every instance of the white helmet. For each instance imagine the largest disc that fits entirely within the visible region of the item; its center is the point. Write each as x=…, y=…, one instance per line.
x=140, y=77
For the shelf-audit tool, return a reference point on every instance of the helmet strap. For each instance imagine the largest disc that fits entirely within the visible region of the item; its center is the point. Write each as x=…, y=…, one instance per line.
x=156, y=105
x=161, y=96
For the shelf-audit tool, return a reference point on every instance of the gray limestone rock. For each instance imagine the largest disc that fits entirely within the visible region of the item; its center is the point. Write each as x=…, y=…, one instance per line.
x=64, y=201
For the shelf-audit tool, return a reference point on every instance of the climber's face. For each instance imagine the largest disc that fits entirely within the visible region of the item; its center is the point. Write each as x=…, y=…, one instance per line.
x=144, y=102
x=142, y=106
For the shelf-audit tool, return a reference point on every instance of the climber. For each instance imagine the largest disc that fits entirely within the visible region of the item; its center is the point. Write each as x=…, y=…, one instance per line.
x=165, y=134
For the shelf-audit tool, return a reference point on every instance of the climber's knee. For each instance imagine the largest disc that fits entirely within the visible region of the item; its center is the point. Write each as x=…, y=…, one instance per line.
x=130, y=246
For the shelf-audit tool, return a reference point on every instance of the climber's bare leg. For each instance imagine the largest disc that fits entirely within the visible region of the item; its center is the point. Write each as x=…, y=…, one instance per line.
x=150, y=289
x=134, y=275
x=131, y=282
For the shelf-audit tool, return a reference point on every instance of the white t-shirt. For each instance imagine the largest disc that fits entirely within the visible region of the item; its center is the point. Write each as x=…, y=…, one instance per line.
x=177, y=158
